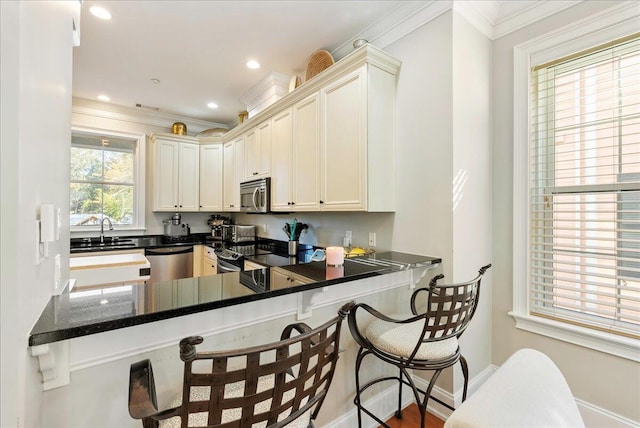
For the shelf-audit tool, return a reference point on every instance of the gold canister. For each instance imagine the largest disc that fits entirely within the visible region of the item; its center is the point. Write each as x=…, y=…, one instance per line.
x=179, y=128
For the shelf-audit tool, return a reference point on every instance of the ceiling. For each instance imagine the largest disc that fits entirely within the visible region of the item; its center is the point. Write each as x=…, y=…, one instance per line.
x=198, y=49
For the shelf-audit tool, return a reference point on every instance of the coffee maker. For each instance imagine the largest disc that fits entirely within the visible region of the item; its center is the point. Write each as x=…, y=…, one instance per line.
x=216, y=222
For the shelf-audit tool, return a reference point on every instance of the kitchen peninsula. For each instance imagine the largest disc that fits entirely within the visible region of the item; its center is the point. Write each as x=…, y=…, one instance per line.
x=111, y=307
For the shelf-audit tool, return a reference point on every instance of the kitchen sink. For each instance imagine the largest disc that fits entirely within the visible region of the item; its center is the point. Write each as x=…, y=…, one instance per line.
x=108, y=242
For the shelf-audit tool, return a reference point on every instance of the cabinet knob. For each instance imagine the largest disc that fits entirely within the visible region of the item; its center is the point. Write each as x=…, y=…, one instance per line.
x=255, y=173
x=293, y=203
x=180, y=206
x=175, y=206
x=322, y=202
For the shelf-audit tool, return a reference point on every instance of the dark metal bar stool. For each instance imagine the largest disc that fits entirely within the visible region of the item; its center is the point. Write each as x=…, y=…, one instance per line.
x=417, y=341
x=275, y=385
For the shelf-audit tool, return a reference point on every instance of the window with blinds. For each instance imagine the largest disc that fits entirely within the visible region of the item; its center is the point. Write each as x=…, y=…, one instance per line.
x=584, y=189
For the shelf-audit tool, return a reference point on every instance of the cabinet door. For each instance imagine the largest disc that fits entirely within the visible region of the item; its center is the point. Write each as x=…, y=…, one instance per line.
x=251, y=154
x=306, y=154
x=263, y=165
x=189, y=178
x=209, y=267
x=165, y=180
x=257, y=146
x=229, y=177
x=282, y=162
x=343, y=148
x=211, y=177
x=238, y=148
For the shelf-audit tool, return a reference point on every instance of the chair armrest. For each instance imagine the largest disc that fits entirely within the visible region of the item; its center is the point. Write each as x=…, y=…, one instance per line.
x=142, y=390
x=355, y=330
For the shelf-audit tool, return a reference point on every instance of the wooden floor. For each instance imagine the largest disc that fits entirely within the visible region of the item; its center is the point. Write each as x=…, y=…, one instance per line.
x=411, y=419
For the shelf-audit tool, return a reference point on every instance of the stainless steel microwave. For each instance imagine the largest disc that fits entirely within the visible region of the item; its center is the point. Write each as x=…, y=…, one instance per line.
x=255, y=196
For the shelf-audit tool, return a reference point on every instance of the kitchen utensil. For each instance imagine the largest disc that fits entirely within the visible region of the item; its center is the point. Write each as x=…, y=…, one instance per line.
x=293, y=248
x=176, y=218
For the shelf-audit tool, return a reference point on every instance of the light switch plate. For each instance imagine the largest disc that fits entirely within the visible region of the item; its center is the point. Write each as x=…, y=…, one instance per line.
x=57, y=273
x=372, y=239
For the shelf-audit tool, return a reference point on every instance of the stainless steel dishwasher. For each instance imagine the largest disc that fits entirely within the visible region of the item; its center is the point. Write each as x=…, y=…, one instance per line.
x=170, y=262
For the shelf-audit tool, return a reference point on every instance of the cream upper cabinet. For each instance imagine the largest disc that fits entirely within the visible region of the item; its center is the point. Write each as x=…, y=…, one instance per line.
x=332, y=138
x=282, y=162
x=258, y=151
x=306, y=154
x=343, y=157
x=211, y=156
x=356, y=149
x=231, y=188
x=176, y=176
x=295, y=184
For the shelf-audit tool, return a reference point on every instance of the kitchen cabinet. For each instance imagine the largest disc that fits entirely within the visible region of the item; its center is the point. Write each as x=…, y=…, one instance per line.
x=356, y=150
x=209, y=262
x=249, y=265
x=176, y=173
x=281, y=278
x=258, y=151
x=295, y=183
x=211, y=158
x=333, y=138
x=233, y=173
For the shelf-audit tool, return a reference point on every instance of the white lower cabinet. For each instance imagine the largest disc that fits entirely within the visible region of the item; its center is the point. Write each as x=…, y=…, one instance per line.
x=249, y=265
x=281, y=278
x=209, y=262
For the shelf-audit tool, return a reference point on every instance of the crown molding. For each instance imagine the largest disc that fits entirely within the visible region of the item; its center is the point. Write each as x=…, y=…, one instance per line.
x=88, y=107
x=411, y=15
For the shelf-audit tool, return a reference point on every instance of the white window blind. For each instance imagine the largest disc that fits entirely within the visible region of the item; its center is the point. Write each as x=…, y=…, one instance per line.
x=584, y=189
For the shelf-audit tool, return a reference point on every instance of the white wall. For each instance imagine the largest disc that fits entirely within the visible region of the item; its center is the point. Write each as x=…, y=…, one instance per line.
x=471, y=184
x=602, y=380
x=36, y=112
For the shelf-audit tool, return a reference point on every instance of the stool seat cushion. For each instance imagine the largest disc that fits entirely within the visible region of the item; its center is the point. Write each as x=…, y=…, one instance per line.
x=401, y=339
x=202, y=393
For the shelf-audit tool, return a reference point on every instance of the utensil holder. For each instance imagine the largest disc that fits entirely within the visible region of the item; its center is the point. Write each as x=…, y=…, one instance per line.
x=293, y=248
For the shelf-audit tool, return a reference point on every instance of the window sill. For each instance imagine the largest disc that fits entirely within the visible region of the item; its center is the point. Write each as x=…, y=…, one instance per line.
x=620, y=346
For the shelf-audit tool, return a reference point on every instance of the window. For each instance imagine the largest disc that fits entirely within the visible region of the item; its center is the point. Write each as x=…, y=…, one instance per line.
x=103, y=181
x=584, y=190
x=576, y=211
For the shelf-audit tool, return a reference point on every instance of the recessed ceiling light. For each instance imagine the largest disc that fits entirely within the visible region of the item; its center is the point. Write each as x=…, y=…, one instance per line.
x=212, y=105
x=104, y=98
x=154, y=80
x=253, y=64
x=99, y=12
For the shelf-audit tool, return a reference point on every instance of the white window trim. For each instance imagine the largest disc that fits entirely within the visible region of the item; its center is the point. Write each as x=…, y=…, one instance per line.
x=139, y=180
x=613, y=23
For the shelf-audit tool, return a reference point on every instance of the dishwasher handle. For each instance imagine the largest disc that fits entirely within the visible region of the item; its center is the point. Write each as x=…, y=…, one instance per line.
x=168, y=251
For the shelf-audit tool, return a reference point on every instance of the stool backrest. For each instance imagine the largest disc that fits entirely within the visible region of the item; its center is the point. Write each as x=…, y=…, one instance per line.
x=273, y=383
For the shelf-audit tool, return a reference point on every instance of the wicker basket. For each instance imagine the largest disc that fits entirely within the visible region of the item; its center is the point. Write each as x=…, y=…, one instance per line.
x=319, y=61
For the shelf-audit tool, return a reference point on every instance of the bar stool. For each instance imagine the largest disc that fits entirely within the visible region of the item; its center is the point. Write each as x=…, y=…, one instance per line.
x=417, y=341
x=275, y=385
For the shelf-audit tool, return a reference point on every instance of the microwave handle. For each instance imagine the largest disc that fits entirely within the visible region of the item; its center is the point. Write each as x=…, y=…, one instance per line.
x=253, y=198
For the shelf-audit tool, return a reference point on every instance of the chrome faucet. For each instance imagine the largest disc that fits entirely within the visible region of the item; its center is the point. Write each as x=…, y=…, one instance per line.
x=102, y=228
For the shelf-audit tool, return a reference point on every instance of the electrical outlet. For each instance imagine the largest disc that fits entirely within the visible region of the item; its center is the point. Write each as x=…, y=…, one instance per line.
x=372, y=239
x=264, y=228
x=57, y=273
x=346, y=241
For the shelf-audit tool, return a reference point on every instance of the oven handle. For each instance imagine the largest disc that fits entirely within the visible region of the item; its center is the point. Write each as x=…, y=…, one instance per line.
x=227, y=267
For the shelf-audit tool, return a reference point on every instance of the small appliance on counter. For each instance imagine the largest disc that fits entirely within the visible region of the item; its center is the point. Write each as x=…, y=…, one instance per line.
x=216, y=222
x=174, y=229
x=236, y=233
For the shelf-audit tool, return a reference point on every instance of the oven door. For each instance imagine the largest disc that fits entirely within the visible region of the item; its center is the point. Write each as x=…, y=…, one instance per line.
x=225, y=266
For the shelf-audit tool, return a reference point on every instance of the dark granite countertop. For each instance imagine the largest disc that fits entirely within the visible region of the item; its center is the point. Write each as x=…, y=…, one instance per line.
x=86, y=312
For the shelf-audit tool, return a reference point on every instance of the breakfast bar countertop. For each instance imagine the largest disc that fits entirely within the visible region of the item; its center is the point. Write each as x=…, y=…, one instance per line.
x=100, y=309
